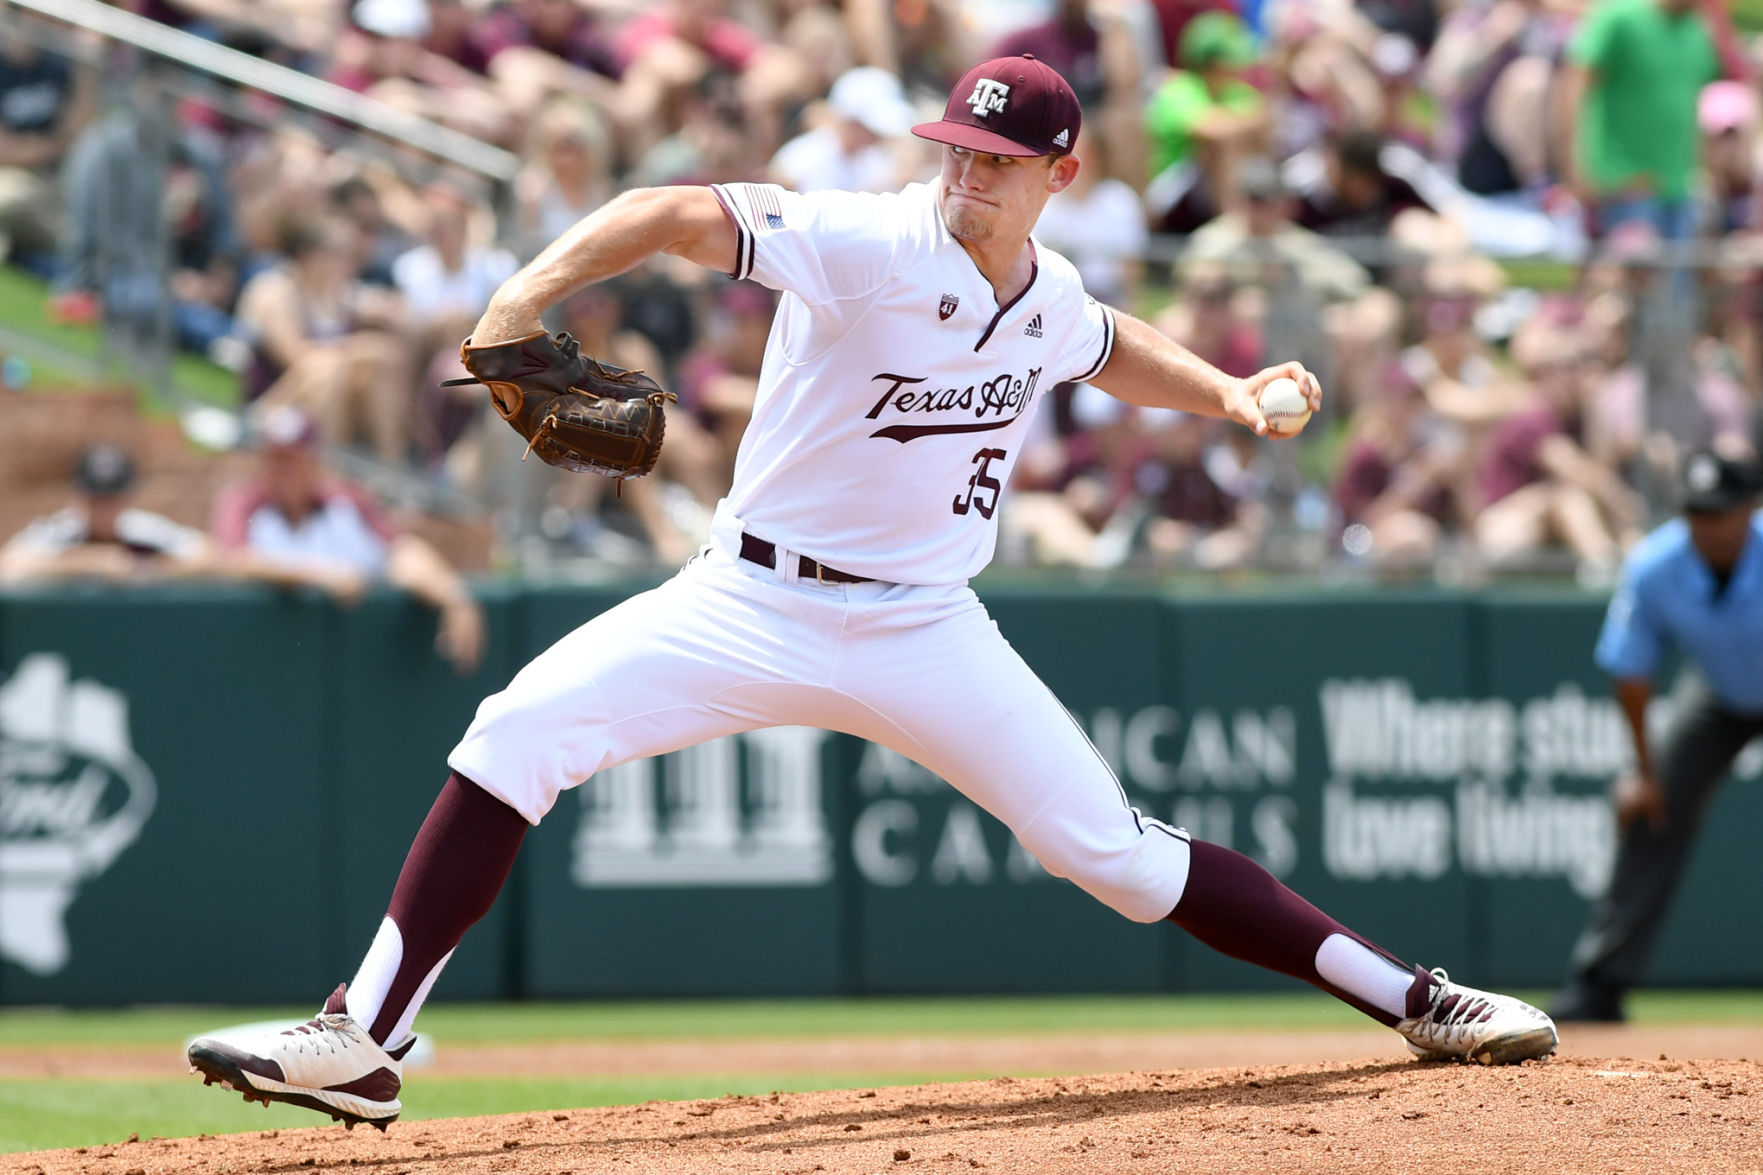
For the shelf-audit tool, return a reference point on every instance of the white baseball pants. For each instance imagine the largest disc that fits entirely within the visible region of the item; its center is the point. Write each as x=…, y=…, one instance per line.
x=728, y=645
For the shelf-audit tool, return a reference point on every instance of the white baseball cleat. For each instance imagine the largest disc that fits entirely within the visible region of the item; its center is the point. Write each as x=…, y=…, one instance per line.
x=1463, y=1023
x=329, y=1064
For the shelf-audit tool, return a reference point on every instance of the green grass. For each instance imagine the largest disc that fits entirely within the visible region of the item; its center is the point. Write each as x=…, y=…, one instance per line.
x=806, y=1019
x=42, y=1114
x=1539, y=273
x=52, y=1115
x=24, y=312
x=693, y=1019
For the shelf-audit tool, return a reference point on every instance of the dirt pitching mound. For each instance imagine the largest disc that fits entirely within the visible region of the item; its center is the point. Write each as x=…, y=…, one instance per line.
x=1557, y=1116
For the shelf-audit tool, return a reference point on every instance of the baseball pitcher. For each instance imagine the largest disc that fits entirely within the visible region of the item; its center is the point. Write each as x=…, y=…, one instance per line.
x=917, y=333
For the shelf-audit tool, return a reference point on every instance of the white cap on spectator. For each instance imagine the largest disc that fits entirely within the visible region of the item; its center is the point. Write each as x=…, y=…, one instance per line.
x=393, y=18
x=285, y=426
x=874, y=99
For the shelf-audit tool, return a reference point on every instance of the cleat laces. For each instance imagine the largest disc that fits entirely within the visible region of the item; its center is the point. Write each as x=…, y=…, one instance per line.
x=324, y=1028
x=1452, y=1019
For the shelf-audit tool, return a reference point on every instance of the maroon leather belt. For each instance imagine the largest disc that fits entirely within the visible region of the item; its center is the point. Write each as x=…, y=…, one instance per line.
x=757, y=550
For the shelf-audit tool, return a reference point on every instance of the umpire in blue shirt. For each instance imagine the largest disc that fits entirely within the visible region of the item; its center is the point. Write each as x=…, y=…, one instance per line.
x=1696, y=584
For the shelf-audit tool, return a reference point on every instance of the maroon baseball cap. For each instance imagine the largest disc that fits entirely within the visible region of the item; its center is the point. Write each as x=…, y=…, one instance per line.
x=1009, y=106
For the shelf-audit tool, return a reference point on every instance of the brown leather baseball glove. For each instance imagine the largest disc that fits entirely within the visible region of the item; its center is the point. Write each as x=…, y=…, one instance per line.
x=574, y=411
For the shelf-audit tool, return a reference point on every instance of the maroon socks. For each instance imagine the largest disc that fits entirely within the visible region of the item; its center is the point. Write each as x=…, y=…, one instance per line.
x=467, y=845
x=1239, y=909
x=455, y=869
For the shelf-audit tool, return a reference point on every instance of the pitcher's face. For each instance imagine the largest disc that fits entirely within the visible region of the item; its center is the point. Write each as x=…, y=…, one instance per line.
x=997, y=197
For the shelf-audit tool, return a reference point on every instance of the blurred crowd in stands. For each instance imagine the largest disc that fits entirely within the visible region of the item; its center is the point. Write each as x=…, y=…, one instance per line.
x=1337, y=181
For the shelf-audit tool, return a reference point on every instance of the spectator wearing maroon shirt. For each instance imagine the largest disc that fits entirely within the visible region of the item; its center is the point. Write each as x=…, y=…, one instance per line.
x=1151, y=482
x=452, y=34
x=1189, y=495
x=1070, y=43
x=1204, y=506
x=294, y=524
x=1090, y=43
x=669, y=50
x=1075, y=498
x=1397, y=478
x=1536, y=482
x=540, y=48
x=384, y=53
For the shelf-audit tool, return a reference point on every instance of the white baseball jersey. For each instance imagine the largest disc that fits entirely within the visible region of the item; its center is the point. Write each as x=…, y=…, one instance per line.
x=896, y=393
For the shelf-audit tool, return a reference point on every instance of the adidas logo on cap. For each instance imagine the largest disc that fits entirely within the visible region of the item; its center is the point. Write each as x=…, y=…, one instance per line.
x=1063, y=138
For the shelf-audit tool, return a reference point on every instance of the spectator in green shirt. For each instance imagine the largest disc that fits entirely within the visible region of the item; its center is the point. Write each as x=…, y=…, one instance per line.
x=1202, y=122
x=1627, y=114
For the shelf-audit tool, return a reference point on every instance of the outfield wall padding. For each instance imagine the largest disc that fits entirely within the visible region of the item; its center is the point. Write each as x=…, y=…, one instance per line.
x=206, y=793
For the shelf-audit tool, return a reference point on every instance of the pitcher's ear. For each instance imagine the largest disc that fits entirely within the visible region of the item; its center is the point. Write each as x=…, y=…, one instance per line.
x=1063, y=170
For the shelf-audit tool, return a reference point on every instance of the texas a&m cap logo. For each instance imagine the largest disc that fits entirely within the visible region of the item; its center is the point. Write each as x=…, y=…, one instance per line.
x=1009, y=106
x=989, y=94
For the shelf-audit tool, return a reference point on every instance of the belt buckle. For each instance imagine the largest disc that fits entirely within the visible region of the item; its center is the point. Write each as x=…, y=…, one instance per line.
x=819, y=572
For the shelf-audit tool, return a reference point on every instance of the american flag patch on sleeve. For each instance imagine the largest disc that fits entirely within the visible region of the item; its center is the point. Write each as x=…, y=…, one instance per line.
x=764, y=198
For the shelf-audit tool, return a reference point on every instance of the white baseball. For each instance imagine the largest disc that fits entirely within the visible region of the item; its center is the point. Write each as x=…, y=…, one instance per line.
x=1285, y=406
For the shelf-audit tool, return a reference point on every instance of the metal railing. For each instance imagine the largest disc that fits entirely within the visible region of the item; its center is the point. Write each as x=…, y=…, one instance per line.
x=289, y=85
